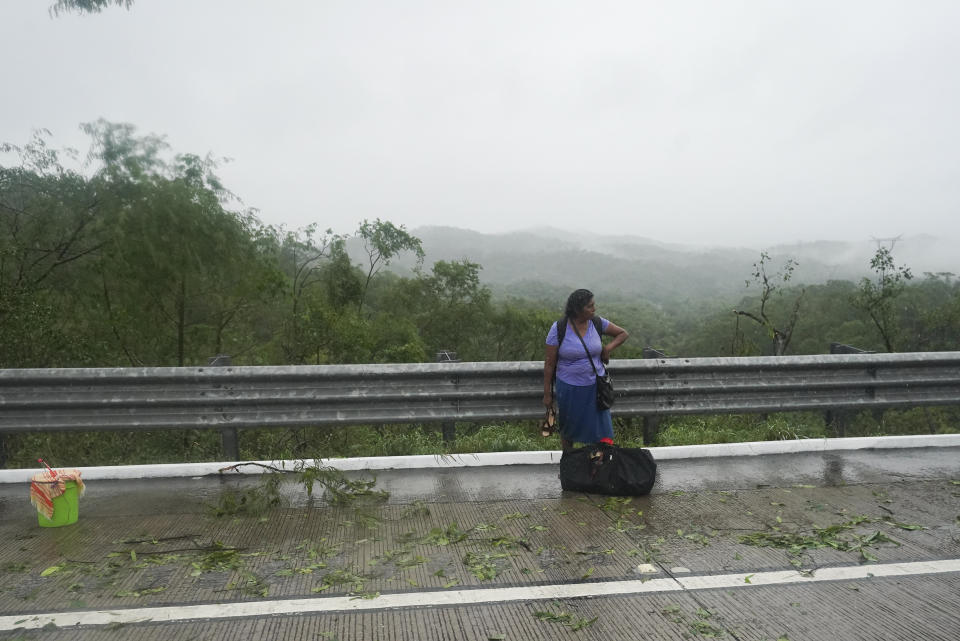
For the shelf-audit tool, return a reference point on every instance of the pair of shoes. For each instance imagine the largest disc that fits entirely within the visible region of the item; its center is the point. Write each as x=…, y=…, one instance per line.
x=549, y=424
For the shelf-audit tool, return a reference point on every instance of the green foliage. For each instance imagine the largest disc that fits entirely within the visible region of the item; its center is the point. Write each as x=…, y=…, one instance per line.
x=565, y=618
x=515, y=331
x=113, y=448
x=779, y=332
x=930, y=314
x=449, y=307
x=31, y=334
x=444, y=536
x=158, y=269
x=178, y=262
x=341, y=490
x=877, y=297
x=695, y=430
x=157, y=265
x=49, y=227
x=251, y=501
x=320, y=283
x=841, y=536
x=697, y=623
x=484, y=565
x=503, y=437
x=87, y=6
x=382, y=241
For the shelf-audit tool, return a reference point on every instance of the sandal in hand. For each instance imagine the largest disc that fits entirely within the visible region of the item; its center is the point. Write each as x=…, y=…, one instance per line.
x=549, y=424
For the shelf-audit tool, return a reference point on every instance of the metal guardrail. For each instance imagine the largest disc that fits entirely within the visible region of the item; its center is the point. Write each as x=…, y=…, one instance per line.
x=246, y=397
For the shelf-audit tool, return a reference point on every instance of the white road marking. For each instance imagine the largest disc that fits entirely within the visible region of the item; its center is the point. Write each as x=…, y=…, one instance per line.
x=844, y=573
x=320, y=605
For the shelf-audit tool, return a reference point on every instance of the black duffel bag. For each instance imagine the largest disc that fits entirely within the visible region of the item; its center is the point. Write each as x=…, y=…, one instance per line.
x=608, y=469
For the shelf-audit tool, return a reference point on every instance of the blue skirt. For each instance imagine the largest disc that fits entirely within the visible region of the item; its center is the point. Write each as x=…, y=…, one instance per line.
x=579, y=419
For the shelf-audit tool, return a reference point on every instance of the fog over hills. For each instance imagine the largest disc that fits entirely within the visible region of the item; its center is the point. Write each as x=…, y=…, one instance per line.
x=547, y=263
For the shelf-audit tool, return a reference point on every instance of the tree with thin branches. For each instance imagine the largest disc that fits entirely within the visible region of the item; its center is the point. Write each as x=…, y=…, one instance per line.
x=770, y=286
x=877, y=296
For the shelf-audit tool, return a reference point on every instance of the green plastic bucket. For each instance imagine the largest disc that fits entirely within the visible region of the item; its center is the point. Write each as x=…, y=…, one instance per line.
x=66, y=508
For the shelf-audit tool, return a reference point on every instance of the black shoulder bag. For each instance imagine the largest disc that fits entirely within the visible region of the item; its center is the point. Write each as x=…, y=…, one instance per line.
x=608, y=469
x=604, y=384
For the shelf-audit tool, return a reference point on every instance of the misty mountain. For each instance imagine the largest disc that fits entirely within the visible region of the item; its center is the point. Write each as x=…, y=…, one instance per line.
x=549, y=263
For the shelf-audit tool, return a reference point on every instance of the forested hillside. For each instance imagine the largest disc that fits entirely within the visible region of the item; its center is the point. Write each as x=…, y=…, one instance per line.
x=146, y=258
x=551, y=259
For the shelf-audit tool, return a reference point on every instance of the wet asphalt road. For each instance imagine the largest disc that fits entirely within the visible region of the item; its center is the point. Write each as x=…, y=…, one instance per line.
x=521, y=531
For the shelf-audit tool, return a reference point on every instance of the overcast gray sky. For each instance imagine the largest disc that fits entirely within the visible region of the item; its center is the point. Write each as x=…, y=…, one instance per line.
x=717, y=122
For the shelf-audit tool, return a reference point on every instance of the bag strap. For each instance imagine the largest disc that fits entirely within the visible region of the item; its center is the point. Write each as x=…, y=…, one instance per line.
x=562, y=332
x=562, y=329
x=589, y=358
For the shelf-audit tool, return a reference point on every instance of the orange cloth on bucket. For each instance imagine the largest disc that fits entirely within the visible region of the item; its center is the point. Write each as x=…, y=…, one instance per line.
x=46, y=486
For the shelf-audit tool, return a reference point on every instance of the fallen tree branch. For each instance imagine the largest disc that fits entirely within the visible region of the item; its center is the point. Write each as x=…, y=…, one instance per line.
x=234, y=467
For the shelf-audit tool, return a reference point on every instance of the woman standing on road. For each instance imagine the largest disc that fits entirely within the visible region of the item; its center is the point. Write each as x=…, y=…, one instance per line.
x=567, y=360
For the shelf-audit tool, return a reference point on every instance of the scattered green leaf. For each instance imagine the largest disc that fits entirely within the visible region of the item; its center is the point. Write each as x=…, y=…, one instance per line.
x=908, y=526
x=483, y=566
x=704, y=629
x=565, y=618
x=140, y=593
x=417, y=508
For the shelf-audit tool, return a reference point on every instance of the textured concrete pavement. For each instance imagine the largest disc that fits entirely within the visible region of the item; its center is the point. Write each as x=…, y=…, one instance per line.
x=835, y=545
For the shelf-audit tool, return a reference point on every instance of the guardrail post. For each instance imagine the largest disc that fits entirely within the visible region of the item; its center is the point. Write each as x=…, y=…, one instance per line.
x=448, y=428
x=3, y=452
x=838, y=419
x=651, y=424
x=229, y=437
x=651, y=430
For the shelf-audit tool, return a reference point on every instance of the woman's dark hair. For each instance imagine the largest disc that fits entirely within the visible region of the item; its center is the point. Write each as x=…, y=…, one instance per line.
x=577, y=301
